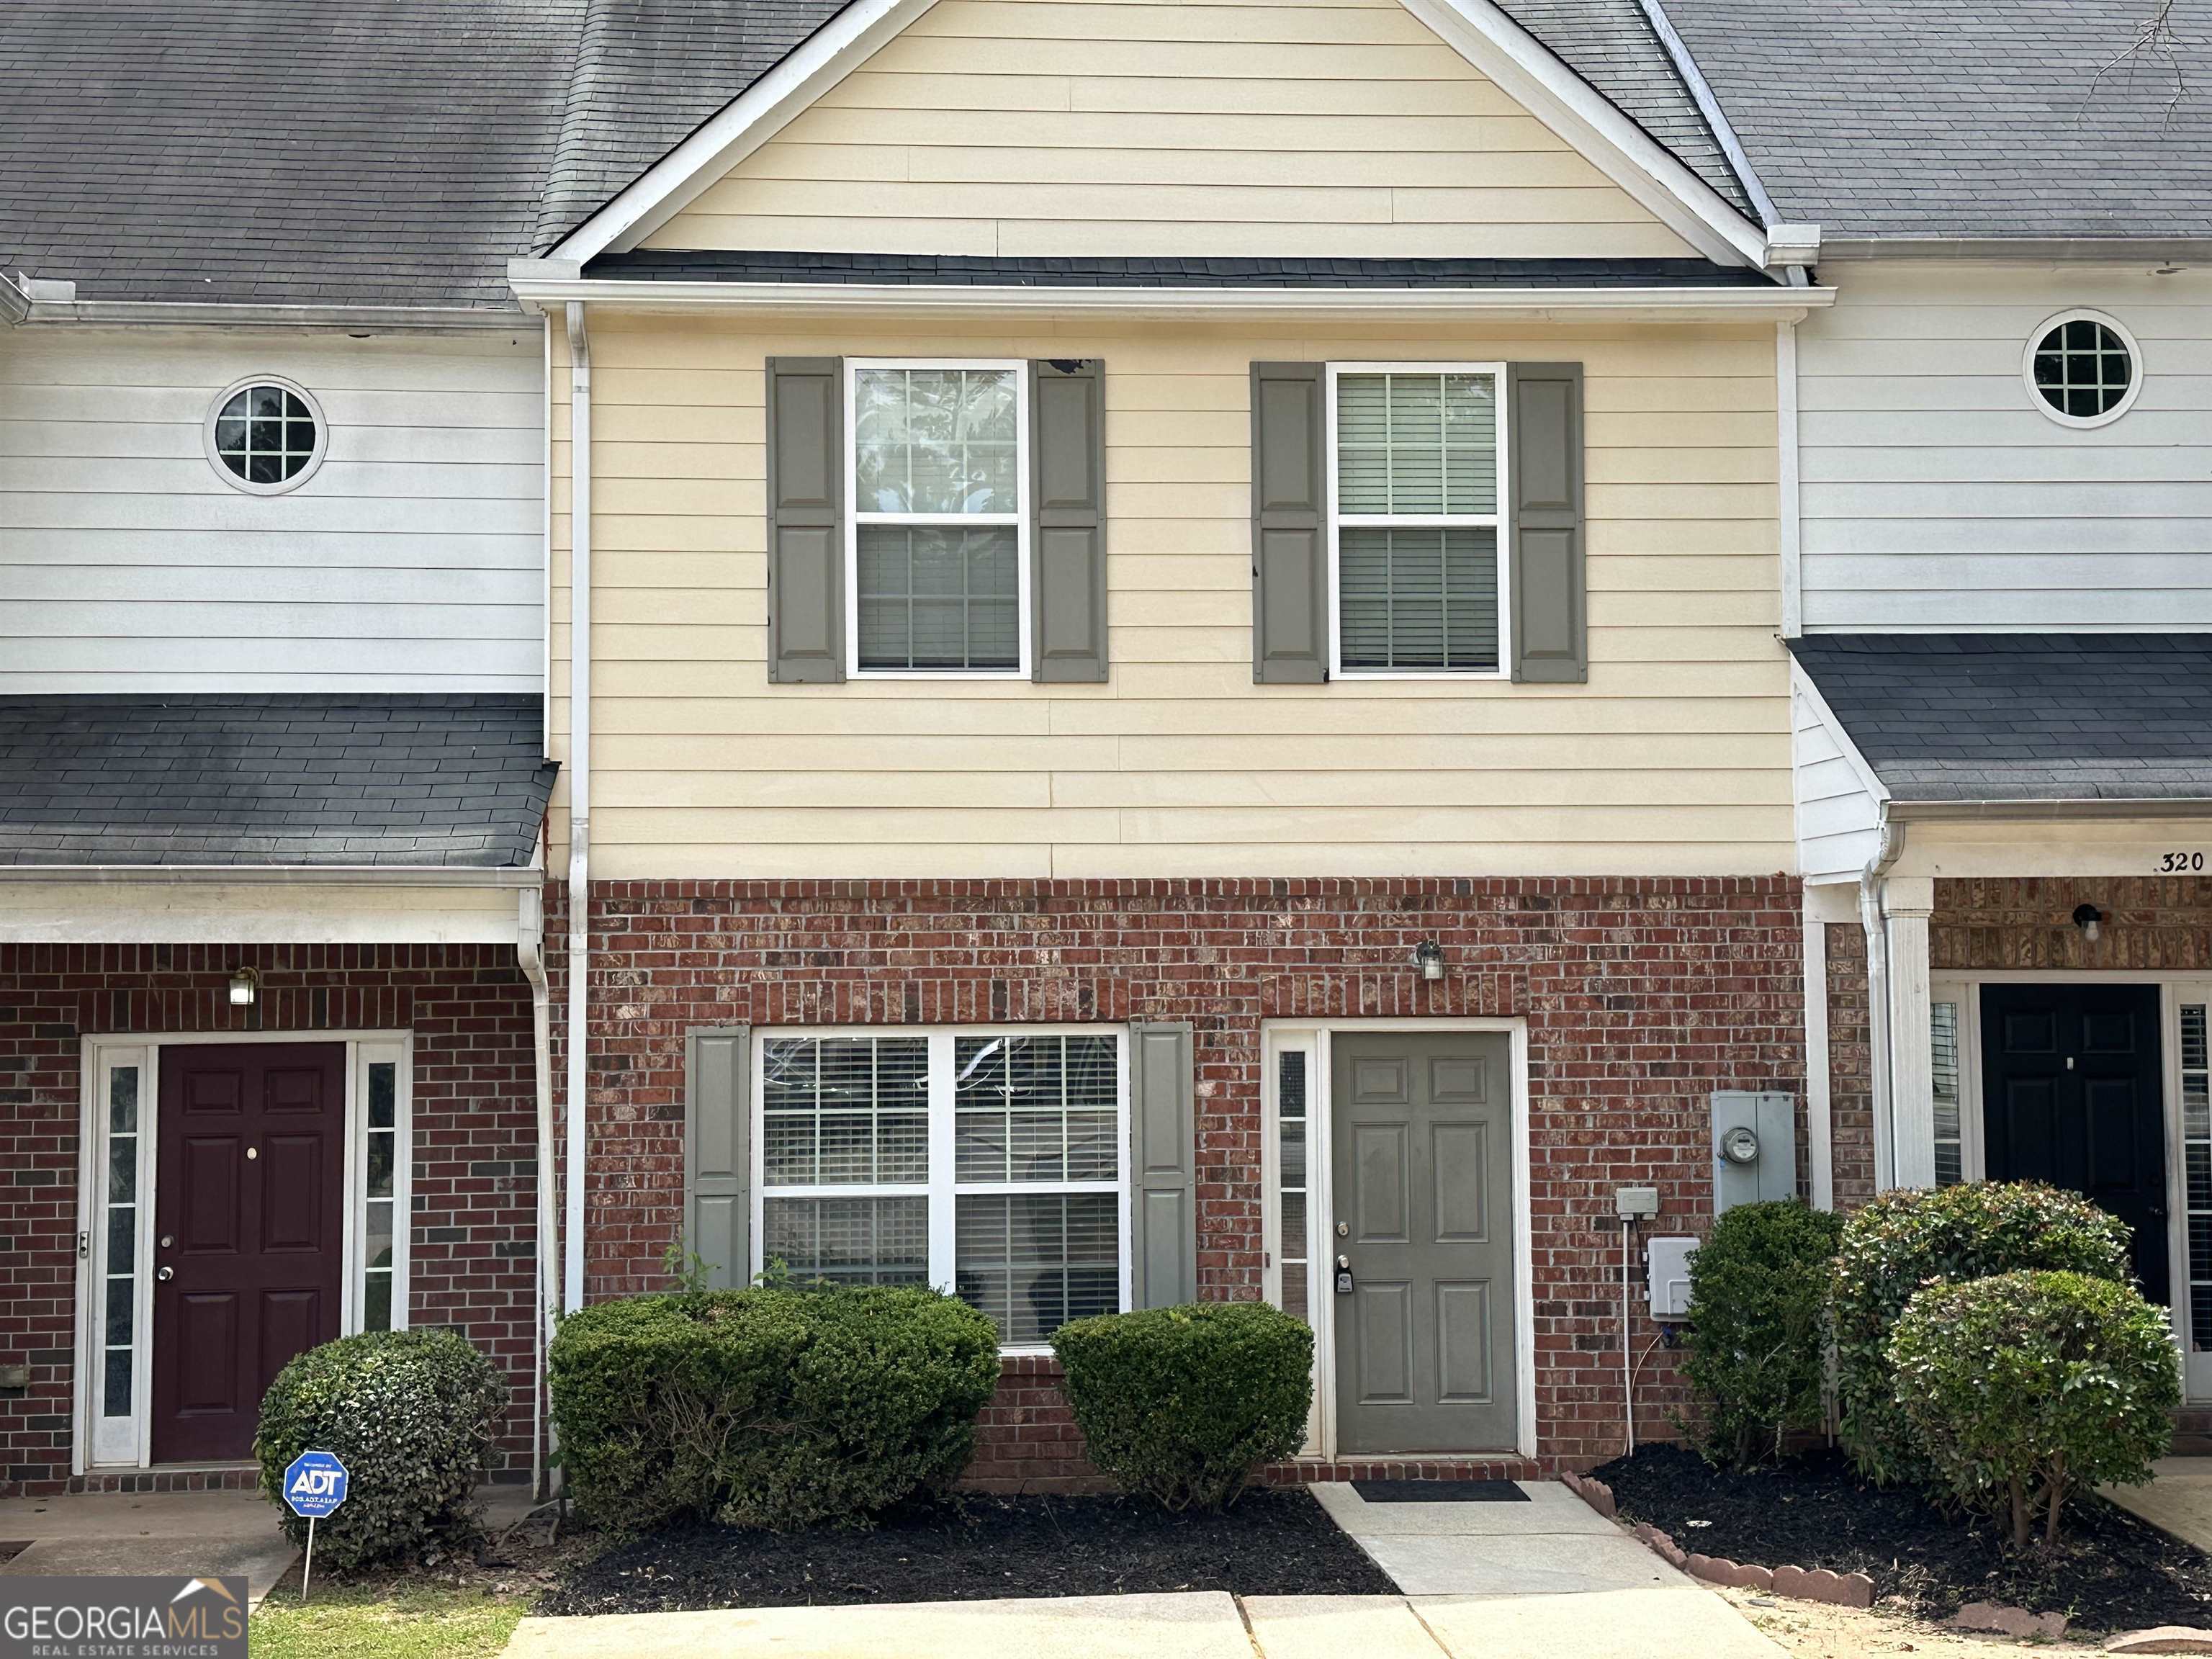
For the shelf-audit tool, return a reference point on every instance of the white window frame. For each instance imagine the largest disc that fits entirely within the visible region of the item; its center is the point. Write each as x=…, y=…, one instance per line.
x=2081, y=314
x=283, y=486
x=1966, y=994
x=101, y=1443
x=942, y=1189
x=854, y=518
x=1340, y=521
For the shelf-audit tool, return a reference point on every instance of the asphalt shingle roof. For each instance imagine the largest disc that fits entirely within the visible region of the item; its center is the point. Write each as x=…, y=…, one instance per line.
x=1612, y=46
x=296, y=152
x=1935, y=119
x=2023, y=717
x=319, y=780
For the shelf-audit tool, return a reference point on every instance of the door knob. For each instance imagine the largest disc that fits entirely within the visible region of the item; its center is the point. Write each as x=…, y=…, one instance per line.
x=165, y=1275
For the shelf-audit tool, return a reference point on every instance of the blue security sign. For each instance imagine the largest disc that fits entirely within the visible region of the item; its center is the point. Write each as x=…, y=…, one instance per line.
x=314, y=1484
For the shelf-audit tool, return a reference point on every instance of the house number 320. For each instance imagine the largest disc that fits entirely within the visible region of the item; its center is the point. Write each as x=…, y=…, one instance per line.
x=2175, y=864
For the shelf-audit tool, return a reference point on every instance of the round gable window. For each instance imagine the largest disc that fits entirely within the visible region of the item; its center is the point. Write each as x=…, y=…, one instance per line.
x=2083, y=368
x=266, y=436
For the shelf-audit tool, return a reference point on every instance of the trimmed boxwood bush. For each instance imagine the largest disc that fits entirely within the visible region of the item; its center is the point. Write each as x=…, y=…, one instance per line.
x=1183, y=1404
x=772, y=1407
x=1905, y=1240
x=411, y=1415
x=1759, y=1291
x=2030, y=1387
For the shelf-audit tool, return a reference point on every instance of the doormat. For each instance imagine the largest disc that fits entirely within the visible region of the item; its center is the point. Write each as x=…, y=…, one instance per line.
x=1440, y=1492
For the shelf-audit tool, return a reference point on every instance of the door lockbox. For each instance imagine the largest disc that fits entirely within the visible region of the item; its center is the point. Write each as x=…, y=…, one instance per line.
x=1344, y=1275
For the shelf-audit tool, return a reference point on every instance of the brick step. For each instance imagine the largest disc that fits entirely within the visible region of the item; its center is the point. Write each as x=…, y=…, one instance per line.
x=2190, y=1445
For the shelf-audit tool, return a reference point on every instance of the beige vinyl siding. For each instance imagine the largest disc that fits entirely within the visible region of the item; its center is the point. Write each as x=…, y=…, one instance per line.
x=1134, y=127
x=1674, y=758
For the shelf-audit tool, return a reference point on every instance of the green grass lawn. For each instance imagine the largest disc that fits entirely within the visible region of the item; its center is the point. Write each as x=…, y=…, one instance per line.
x=344, y=1622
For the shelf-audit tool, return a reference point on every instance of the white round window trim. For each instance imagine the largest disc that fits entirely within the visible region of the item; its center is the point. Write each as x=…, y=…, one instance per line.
x=272, y=441
x=2036, y=392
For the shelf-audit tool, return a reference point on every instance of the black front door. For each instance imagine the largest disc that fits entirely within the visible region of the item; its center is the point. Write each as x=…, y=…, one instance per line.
x=2074, y=1096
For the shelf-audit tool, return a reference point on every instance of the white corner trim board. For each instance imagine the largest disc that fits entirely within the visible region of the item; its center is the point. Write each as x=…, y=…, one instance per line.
x=1521, y=66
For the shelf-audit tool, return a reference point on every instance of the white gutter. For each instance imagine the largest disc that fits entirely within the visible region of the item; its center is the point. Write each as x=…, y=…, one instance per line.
x=579, y=783
x=530, y=951
x=263, y=875
x=545, y=545
x=1878, y=1044
x=922, y=299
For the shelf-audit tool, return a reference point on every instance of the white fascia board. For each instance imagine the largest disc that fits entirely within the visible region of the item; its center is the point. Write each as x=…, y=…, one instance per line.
x=1528, y=72
x=380, y=877
x=372, y=319
x=741, y=126
x=1801, y=683
x=914, y=299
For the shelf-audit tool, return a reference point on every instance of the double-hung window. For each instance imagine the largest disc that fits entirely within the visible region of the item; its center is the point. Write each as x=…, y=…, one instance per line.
x=937, y=543
x=1417, y=459
x=988, y=1162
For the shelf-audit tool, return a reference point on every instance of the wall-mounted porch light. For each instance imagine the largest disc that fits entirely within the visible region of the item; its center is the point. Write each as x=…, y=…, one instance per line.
x=2090, y=920
x=244, y=986
x=1429, y=957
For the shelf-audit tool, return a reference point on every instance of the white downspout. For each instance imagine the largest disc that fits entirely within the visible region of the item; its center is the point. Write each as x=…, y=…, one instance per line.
x=1877, y=943
x=579, y=781
x=530, y=951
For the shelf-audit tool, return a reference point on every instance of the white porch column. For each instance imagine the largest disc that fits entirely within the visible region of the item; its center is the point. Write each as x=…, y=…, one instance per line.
x=1906, y=904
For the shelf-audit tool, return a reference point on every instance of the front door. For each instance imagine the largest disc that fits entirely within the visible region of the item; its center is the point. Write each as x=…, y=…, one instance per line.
x=2074, y=1096
x=1424, y=1212
x=249, y=1197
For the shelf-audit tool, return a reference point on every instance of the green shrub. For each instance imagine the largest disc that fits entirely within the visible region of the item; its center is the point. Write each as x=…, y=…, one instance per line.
x=778, y=1408
x=1183, y=1404
x=1905, y=1240
x=1759, y=1291
x=411, y=1415
x=2029, y=1387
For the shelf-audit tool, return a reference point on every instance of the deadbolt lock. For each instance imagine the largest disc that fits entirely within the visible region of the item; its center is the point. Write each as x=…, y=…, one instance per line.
x=1343, y=1230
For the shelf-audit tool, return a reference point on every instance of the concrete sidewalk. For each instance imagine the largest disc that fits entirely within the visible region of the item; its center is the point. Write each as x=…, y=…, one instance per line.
x=1686, y=1623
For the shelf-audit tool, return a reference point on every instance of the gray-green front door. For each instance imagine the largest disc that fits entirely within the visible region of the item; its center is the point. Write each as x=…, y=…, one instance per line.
x=1423, y=1138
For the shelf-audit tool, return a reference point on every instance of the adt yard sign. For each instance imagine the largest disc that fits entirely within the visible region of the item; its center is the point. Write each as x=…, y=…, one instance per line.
x=314, y=1484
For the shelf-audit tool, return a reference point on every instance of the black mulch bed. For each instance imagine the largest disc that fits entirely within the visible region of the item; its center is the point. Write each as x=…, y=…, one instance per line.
x=976, y=1548
x=2111, y=1570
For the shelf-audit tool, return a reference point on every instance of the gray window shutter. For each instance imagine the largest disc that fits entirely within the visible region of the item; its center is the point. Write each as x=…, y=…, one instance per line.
x=1162, y=1165
x=1067, y=519
x=718, y=1206
x=1290, y=525
x=1551, y=633
x=805, y=540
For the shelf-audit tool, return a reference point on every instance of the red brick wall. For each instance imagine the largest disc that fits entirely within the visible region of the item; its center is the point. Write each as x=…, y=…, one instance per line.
x=474, y=1222
x=1641, y=997
x=1850, y=1087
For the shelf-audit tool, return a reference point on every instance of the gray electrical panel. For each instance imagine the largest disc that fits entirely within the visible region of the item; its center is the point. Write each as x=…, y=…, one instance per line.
x=1754, y=1147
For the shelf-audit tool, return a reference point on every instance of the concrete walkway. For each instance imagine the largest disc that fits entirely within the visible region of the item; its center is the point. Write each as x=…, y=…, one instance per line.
x=2178, y=1499
x=1547, y=1579
x=208, y=1534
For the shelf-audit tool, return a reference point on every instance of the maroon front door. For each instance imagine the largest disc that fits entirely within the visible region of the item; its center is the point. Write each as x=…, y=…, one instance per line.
x=249, y=1201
